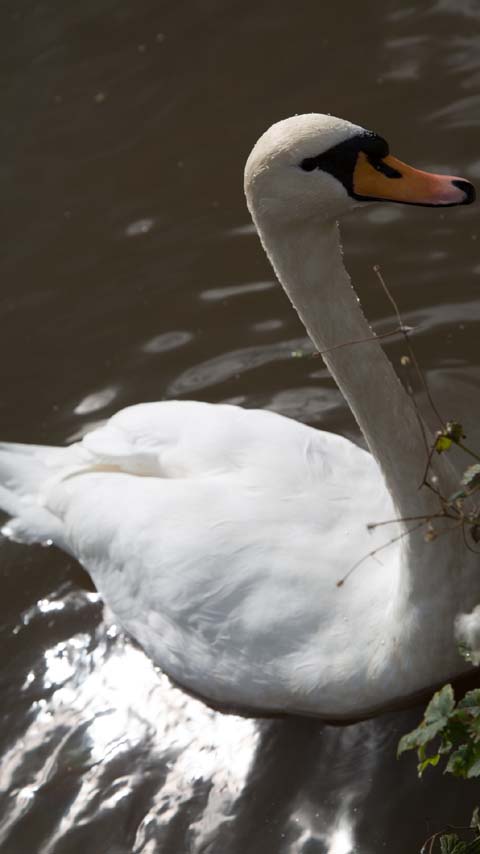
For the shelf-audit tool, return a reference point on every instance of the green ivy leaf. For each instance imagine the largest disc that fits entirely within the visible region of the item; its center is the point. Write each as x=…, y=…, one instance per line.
x=470, y=482
x=458, y=763
x=442, y=443
x=436, y=719
x=471, y=701
x=454, y=431
x=473, y=728
x=440, y=706
x=420, y=736
x=457, y=731
x=475, y=819
x=474, y=769
x=429, y=760
x=473, y=847
x=471, y=477
x=450, y=844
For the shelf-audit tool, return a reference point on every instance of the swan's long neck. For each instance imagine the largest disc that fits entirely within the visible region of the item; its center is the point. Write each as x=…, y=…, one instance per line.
x=308, y=263
x=310, y=267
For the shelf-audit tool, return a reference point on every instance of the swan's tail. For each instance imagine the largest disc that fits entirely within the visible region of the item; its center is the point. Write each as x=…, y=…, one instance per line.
x=25, y=471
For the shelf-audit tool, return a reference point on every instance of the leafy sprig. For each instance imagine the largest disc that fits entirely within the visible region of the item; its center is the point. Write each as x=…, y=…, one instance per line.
x=452, y=729
x=451, y=843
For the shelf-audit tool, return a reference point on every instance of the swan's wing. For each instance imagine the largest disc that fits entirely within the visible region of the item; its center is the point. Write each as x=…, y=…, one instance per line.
x=192, y=439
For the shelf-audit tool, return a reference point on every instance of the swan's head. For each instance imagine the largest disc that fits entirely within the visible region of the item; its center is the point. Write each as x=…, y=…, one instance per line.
x=319, y=167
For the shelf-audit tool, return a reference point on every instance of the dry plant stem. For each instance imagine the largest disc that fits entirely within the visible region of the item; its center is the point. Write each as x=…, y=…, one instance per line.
x=355, y=566
x=380, y=278
x=372, y=525
x=430, y=842
x=468, y=451
x=429, y=450
x=405, y=331
x=431, y=839
x=371, y=338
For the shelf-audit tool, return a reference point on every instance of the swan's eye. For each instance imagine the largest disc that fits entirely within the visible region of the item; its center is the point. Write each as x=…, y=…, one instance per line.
x=374, y=146
x=309, y=164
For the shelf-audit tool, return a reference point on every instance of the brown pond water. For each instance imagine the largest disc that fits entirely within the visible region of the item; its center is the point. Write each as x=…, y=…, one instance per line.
x=129, y=272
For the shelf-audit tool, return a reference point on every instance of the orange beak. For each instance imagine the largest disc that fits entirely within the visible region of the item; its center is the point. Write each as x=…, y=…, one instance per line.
x=391, y=180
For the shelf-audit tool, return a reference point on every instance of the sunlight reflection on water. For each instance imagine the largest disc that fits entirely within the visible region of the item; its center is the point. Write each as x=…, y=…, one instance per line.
x=102, y=703
x=110, y=701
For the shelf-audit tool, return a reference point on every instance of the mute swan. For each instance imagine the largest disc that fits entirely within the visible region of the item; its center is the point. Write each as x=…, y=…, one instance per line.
x=217, y=535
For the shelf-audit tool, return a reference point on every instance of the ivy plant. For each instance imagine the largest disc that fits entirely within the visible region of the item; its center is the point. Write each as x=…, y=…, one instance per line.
x=450, y=730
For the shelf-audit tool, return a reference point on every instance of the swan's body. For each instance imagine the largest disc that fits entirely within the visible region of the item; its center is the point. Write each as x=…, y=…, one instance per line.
x=217, y=535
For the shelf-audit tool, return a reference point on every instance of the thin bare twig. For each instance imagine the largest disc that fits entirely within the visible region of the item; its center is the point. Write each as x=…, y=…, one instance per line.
x=355, y=566
x=431, y=839
x=468, y=451
x=426, y=518
x=431, y=452
x=411, y=353
x=420, y=375
x=369, y=340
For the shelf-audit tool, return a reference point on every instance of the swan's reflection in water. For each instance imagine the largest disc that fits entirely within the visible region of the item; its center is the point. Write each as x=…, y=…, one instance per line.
x=110, y=749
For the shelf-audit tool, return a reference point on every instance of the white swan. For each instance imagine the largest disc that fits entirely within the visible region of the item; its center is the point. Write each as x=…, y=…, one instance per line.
x=217, y=535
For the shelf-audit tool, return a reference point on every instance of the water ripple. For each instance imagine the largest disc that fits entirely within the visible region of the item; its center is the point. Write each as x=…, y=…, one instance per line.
x=235, y=362
x=214, y=294
x=167, y=341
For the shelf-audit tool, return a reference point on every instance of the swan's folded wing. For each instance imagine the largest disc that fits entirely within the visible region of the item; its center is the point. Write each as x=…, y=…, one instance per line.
x=219, y=582
x=216, y=535
x=192, y=439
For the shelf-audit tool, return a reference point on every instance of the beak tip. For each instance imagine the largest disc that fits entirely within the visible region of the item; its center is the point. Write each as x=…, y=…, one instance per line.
x=467, y=188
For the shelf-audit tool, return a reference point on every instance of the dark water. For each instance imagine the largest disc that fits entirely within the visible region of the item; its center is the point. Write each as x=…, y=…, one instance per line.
x=129, y=272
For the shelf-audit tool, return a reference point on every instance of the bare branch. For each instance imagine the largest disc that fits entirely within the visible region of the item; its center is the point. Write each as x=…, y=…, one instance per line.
x=355, y=566
x=411, y=353
x=369, y=340
x=372, y=525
